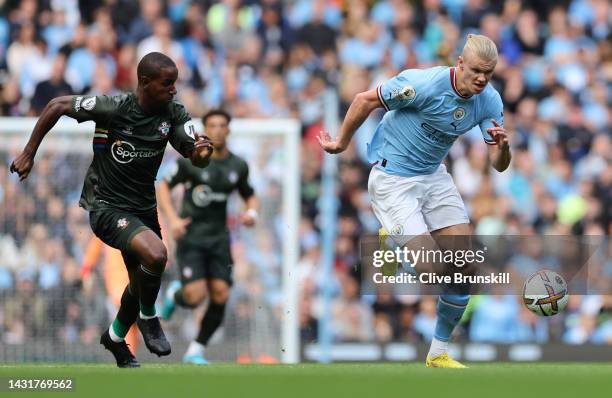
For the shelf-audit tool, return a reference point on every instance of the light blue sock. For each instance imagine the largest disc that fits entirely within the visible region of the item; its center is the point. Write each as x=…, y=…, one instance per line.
x=449, y=310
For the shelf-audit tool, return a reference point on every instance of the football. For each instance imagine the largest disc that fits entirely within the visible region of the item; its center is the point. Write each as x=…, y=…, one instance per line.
x=545, y=293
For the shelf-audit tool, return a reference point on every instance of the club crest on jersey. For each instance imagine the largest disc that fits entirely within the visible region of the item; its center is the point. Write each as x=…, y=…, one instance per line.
x=128, y=130
x=122, y=223
x=164, y=129
x=232, y=177
x=459, y=114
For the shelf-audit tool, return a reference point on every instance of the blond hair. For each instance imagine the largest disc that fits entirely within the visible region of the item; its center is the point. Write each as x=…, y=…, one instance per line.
x=481, y=46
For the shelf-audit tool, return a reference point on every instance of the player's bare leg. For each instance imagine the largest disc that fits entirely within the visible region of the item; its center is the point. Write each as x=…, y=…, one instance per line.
x=152, y=255
x=188, y=296
x=194, y=293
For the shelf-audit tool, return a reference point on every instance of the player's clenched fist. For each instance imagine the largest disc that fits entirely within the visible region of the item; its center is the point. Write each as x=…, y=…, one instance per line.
x=22, y=165
x=202, y=150
x=203, y=146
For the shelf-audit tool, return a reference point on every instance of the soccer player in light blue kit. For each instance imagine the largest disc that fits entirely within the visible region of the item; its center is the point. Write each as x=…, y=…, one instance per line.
x=412, y=193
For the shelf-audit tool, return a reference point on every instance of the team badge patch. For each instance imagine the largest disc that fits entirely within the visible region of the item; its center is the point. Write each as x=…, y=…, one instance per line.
x=122, y=223
x=127, y=130
x=459, y=114
x=164, y=129
x=408, y=93
x=233, y=177
x=397, y=229
x=89, y=103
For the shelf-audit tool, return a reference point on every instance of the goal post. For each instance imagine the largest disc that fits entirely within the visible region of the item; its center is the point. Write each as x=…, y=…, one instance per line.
x=273, y=143
x=290, y=130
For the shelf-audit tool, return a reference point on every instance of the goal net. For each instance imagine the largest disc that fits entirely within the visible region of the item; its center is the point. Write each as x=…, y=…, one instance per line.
x=48, y=314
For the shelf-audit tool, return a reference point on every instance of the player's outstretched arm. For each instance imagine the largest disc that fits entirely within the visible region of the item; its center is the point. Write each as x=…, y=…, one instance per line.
x=51, y=113
x=361, y=107
x=202, y=150
x=499, y=154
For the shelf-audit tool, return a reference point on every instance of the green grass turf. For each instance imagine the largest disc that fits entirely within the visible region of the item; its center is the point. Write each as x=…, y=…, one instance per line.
x=576, y=380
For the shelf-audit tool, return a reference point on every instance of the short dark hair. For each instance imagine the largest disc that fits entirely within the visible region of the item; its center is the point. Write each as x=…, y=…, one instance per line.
x=152, y=63
x=216, y=112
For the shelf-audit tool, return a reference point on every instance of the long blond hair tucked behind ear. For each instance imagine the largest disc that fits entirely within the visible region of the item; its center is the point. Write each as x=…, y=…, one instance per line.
x=481, y=46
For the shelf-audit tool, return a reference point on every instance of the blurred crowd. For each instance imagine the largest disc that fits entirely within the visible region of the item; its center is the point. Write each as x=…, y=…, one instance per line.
x=271, y=59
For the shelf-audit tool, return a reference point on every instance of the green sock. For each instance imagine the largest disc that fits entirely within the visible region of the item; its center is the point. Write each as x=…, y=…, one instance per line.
x=147, y=310
x=119, y=328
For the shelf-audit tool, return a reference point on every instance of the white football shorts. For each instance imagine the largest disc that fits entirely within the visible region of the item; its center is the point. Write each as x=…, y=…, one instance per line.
x=410, y=206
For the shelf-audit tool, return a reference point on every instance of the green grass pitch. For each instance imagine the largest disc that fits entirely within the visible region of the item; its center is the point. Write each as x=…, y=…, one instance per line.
x=576, y=380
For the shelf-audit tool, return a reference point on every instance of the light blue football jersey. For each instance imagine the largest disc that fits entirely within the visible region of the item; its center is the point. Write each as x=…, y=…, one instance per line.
x=425, y=115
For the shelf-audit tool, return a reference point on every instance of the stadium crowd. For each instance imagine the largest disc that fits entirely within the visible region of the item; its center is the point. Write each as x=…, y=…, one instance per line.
x=268, y=59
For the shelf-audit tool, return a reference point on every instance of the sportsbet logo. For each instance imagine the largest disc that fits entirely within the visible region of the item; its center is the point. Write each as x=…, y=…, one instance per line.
x=124, y=152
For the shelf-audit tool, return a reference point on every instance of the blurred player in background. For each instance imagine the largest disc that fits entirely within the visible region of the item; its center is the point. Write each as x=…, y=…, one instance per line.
x=132, y=131
x=115, y=278
x=203, y=240
x=412, y=193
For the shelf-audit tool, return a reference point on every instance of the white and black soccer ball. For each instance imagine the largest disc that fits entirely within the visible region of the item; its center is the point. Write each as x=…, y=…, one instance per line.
x=545, y=293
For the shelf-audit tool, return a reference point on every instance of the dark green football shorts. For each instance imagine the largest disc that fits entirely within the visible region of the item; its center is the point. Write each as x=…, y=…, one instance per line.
x=116, y=228
x=211, y=258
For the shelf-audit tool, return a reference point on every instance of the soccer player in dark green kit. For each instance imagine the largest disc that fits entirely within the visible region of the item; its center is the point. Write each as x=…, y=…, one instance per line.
x=132, y=131
x=203, y=241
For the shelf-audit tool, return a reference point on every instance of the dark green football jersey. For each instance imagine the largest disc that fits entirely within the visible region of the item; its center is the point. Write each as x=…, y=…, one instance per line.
x=128, y=149
x=207, y=191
